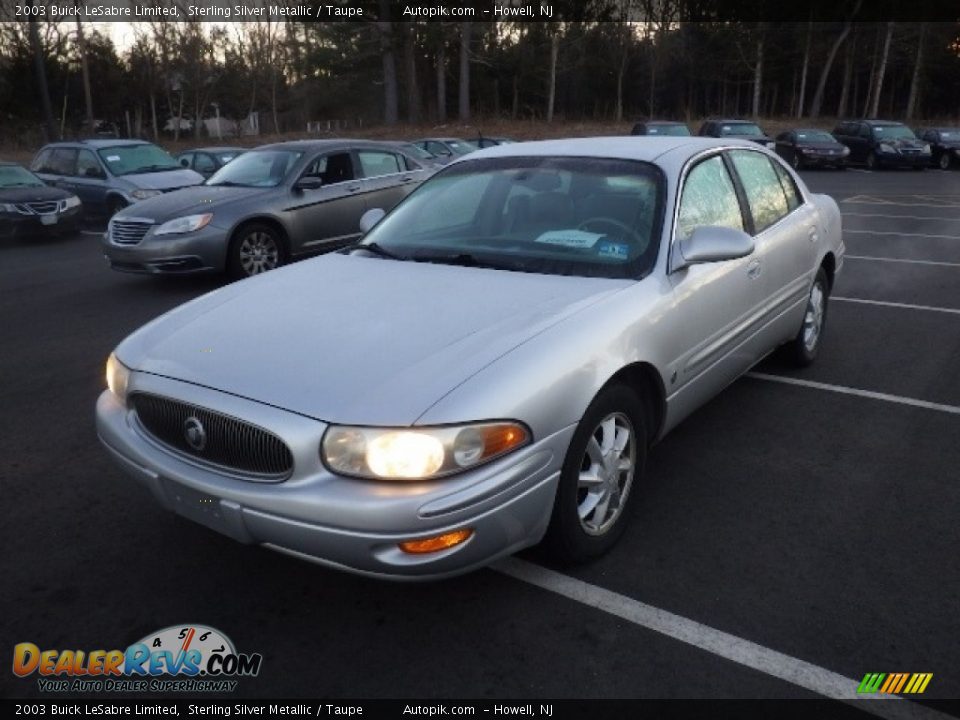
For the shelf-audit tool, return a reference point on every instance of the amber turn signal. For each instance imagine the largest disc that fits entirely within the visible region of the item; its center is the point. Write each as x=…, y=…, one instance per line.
x=434, y=544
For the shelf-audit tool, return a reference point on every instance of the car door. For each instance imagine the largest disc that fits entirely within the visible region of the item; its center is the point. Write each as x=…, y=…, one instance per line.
x=786, y=236
x=386, y=180
x=329, y=216
x=90, y=182
x=60, y=168
x=716, y=302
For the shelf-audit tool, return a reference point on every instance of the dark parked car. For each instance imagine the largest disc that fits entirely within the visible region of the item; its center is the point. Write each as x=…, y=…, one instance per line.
x=883, y=143
x=807, y=147
x=485, y=142
x=944, y=145
x=660, y=127
x=108, y=175
x=741, y=129
x=208, y=160
x=30, y=207
x=272, y=204
x=446, y=149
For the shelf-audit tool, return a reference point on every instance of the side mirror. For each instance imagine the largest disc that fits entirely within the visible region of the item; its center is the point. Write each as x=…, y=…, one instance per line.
x=370, y=218
x=184, y=163
x=310, y=182
x=711, y=244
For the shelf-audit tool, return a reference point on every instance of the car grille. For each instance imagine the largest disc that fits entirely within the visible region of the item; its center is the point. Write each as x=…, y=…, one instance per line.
x=230, y=444
x=128, y=232
x=45, y=207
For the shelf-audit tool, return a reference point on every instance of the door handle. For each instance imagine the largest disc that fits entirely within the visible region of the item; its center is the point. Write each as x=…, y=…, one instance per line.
x=408, y=179
x=753, y=269
x=353, y=188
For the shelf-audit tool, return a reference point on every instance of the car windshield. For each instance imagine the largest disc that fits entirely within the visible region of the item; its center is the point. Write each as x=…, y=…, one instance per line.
x=462, y=147
x=893, y=132
x=811, y=136
x=228, y=155
x=675, y=130
x=951, y=134
x=132, y=159
x=746, y=129
x=257, y=168
x=562, y=216
x=15, y=176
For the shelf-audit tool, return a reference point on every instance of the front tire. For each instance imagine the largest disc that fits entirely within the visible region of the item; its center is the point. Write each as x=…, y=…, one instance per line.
x=806, y=345
x=795, y=161
x=256, y=248
x=115, y=205
x=605, y=459
x=944, y=161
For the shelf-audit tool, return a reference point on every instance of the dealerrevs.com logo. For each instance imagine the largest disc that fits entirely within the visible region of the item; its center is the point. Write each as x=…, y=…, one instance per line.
x=180, y=658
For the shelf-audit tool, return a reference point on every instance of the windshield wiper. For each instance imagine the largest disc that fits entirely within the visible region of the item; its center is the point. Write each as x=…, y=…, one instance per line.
x=153, y=168
x=227, y=183
x=463, y=259
x=374, y=249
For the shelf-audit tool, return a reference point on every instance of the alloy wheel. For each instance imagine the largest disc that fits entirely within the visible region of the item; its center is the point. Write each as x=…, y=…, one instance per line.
x=606, y=473
x=259, y=253
x=813, y=319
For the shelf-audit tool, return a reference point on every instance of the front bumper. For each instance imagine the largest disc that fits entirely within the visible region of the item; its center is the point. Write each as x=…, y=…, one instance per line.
x=345, y=523
x=198, y=252
x=901, y=160
x=15, y=225
x=823, y=160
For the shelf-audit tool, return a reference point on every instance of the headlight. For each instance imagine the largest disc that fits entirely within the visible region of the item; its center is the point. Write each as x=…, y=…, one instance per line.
x=807, y=151
x=417, y=453
x=190, y=223
x=925, y=150
x=144, y=194
x=71, y=202
x=845, y=151
x=887, y=148
x=117, y=376
x=7, y=208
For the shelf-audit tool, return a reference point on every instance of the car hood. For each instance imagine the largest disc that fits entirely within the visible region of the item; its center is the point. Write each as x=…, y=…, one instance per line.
x=356, y=340
x=206, y=198
x=32, y=194
x=821, y=146
x=166, y=180
x=904, y=143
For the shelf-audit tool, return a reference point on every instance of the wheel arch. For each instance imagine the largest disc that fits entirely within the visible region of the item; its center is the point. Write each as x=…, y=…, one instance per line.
x=646, y=380
x=829, y=265
x=267, y=220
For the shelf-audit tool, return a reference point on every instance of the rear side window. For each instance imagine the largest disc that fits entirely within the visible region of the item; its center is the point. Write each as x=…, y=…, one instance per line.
x=204, y=163
x=62, y=161
x=41, y=161
x=765, y=194
x=374, y=163
x=794, y=199
x=87, y=165
x=708, y=199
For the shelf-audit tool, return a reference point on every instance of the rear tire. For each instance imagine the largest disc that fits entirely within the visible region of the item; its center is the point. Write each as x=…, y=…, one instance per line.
x=943, y=162
x=805, y=346
x=872, y=162
x=603, y=464
x=256, y=248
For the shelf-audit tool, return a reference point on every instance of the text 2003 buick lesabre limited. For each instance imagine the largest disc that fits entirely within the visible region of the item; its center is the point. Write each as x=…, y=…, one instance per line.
x=489, y=367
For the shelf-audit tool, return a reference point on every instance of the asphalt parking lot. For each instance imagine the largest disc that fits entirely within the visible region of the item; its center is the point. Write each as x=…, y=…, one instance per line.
x=794, y=534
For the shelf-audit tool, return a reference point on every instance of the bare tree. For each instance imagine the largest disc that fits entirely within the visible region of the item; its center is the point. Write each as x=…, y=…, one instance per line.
x=466, y=28
x=388, y=59
x=803, y=72
x=758, y=70
x=552, y=88
x=39, y=66
x=825, y=72
x=82, y=47
x=915, y=78
x=881, y=71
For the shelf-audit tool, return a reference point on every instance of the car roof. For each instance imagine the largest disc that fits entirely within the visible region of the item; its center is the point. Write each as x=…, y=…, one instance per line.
x=96, y=144
x=8, y=163
x=213, y=148
x=660, y=122
x=874, y=121
x=314, y=145
x=732, y=121
x=628, y=147
x=441, y=139
x=809, y=129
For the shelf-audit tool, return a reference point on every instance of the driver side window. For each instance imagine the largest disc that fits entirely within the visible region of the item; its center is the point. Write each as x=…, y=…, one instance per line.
x=708, y=199
x=332, y=169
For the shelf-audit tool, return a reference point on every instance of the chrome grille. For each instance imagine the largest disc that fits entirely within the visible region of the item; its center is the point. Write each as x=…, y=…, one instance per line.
x=231, y=444
x=45, y=207
x=128, y=232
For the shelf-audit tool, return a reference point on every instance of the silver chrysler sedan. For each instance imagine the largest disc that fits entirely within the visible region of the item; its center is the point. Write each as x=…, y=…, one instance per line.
x=489, y=367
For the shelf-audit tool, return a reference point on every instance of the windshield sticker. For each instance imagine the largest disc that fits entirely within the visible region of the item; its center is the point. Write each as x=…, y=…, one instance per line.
x=618, y=251
x=569, y=238
x=652, y=131
x=113, y=158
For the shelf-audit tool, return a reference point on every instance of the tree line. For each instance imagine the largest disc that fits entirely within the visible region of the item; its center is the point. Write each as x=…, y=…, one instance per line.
x=594, y=62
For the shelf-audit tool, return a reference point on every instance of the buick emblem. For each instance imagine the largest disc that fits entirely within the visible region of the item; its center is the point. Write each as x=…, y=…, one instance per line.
x=194, y=433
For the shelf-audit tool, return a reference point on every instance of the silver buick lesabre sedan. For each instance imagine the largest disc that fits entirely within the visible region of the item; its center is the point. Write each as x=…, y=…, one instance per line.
x=489, y=367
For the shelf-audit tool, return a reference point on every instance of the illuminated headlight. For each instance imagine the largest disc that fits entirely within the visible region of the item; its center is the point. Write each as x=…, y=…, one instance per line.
x=887, y=148
x=144, y=194
x=925, y=150
x=117, y=376
x=71, y=202
x=189, y=223
x=417, y=453
x=807, y=151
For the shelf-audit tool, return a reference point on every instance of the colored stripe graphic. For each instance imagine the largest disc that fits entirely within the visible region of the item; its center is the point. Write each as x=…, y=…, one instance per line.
x=895, y=683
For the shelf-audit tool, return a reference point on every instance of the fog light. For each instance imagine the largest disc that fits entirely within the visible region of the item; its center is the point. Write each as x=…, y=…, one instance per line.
x=435, y=544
